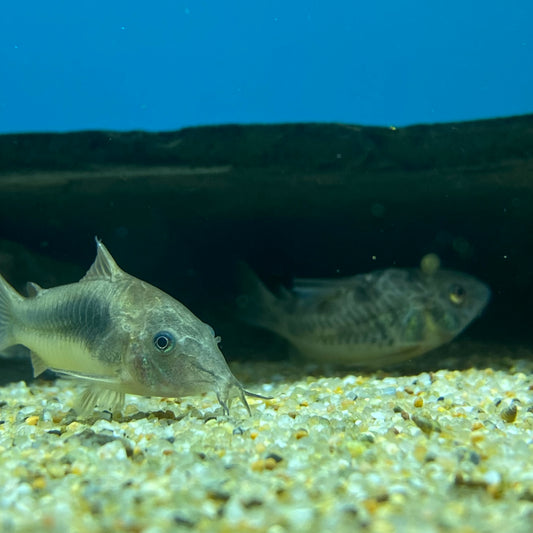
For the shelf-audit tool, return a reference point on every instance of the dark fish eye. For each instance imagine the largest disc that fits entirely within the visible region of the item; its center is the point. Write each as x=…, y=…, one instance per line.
x=164, y=341
x=457, y=294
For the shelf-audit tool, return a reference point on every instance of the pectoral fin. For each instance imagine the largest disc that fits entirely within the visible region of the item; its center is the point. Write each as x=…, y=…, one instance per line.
x=97, y=394
x=97, y=378
x=98, y=397
x=39, y=366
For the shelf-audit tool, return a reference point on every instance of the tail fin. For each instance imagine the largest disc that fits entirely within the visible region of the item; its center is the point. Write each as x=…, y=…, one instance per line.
x=8, y=296
x=256, y=305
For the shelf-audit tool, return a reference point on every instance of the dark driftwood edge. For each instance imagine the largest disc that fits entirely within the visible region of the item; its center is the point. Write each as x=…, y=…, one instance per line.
x=297, y=198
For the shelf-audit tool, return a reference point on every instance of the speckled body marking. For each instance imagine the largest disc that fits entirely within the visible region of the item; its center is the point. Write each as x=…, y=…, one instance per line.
x=370, y=319
x=120, y=335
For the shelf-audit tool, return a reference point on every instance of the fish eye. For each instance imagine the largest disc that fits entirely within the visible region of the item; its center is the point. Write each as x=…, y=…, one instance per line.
x=457, y=294
x=164, y=341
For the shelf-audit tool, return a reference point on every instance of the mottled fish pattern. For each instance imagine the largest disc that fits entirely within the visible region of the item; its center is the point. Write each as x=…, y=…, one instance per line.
x=119, y=335
x=373, y=319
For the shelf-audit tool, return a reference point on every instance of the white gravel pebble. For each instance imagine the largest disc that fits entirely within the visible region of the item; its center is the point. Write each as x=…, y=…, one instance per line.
x=425, y=452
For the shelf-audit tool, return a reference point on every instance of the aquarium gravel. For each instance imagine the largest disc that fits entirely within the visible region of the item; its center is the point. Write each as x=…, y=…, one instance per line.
x=441, y=450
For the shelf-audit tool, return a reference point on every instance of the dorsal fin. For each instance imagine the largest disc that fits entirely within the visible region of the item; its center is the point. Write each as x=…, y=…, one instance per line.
x=33, y=290
x=104, y=266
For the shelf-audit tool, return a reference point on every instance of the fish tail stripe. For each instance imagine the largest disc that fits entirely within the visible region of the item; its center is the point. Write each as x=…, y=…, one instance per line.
x=8, y=298
x=82, y=318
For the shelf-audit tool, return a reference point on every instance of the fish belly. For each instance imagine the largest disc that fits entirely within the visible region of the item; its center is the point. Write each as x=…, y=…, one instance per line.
x=62, y=353
x=365, y=355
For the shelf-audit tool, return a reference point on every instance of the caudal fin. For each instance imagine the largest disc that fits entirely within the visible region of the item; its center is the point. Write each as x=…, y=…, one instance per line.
x=8, y=297
x=256, y=305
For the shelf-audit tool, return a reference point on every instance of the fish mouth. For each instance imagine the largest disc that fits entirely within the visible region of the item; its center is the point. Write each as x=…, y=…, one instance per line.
x=202, y=381
x=155, y=381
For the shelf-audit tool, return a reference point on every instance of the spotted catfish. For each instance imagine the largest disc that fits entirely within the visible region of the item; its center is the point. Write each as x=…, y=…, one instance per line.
x=373, y=320
x=119, y=335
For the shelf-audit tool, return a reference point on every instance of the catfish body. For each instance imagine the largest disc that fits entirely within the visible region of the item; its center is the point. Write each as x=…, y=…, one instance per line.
x=119, y=334
x=373, y=319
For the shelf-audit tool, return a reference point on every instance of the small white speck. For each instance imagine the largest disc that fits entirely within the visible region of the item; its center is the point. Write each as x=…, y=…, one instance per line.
x=374, y=258
x=122, y=28
x=339, y=156
x=492, y=477
x=505, y=256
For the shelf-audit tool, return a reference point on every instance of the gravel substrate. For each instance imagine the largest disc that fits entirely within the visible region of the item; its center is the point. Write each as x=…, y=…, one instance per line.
x=445, y=450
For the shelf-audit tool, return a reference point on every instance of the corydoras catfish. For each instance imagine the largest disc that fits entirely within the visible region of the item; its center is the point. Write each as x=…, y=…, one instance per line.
x=373, y=319
x=119, y=335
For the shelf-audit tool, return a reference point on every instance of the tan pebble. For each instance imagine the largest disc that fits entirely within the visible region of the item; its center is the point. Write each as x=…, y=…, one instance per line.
x=253, y=434
x=20, y=472
x=477, y=425
x=73, y=426
x=32, y=420
x=58, y=417
x=420, y=453
x=508, y=414
x=371, y=505
x=408, y=390
x=39, y=483
x=56, y=470
x=426, y=424
x=355, y=448
x=495, y=490
x=258, y=466
x=339, y=390
x=168, y=452
x=419, y=402
x=260, y=448
x=304, y=403
x=301, y=433
x=477, y=437
x=270, y=463
x=130, y=409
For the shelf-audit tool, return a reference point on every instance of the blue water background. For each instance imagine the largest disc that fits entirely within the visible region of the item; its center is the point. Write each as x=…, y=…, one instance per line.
x=162, y=65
